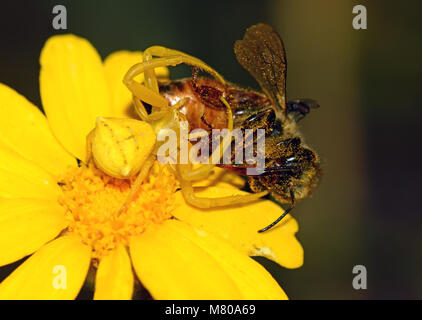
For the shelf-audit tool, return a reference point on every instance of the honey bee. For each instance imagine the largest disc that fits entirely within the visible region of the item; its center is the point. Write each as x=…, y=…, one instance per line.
x=292, y=169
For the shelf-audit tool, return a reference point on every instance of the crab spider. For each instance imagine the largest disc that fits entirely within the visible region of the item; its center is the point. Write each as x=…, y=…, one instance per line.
x=119, y=147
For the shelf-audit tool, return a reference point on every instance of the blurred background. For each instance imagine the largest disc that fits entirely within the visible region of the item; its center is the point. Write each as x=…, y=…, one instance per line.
x=366, y=210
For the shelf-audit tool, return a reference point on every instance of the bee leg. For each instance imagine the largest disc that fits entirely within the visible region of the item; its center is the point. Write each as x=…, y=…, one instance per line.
x=206, y=203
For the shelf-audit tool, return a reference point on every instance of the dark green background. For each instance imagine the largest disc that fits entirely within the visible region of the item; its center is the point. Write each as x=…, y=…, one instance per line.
x=367, y=131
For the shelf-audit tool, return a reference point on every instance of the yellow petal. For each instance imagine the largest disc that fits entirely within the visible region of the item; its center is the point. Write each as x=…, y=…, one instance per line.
x=114, y=279
x=116, y=65
x=173, y=267
x=25, y=130
x=26, y=224
x=20, y=178
x=239, y=226
x=56, y=271
x=175, y=262
x=250, y=277
x=73, y=90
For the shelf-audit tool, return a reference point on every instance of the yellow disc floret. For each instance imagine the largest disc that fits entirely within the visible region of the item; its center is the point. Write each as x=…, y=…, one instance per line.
x=92, y=200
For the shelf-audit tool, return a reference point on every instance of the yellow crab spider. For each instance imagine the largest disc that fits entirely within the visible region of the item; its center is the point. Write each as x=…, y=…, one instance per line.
x=124, y=148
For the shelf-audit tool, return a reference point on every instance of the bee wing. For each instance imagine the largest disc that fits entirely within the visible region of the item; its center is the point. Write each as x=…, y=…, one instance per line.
x=262, y=54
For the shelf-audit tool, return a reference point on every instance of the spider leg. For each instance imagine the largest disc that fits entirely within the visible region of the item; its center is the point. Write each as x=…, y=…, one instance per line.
x=160, y=51
x=206, y=203
x=204, y=170
x=149, y=92
x=138, y=182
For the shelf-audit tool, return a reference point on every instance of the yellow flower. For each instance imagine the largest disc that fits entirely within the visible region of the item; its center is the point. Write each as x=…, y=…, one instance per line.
x=63, y=215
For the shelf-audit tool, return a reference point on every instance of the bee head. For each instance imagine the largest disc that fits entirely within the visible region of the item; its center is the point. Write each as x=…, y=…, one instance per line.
x=290, y=166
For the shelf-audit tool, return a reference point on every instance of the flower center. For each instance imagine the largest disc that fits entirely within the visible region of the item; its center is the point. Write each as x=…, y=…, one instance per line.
x=92, y=200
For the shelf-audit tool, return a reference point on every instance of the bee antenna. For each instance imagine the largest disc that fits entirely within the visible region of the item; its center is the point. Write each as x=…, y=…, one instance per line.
x=292, y=197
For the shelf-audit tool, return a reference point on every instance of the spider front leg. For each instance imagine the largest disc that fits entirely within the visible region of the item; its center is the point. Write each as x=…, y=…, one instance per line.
x=149, y=74
x=204, y=170
x=160, y=51
x=149, y=92
x=206, y=203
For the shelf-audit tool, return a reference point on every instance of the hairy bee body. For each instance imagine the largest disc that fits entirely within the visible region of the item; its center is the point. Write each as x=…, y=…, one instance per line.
x=290, y=164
